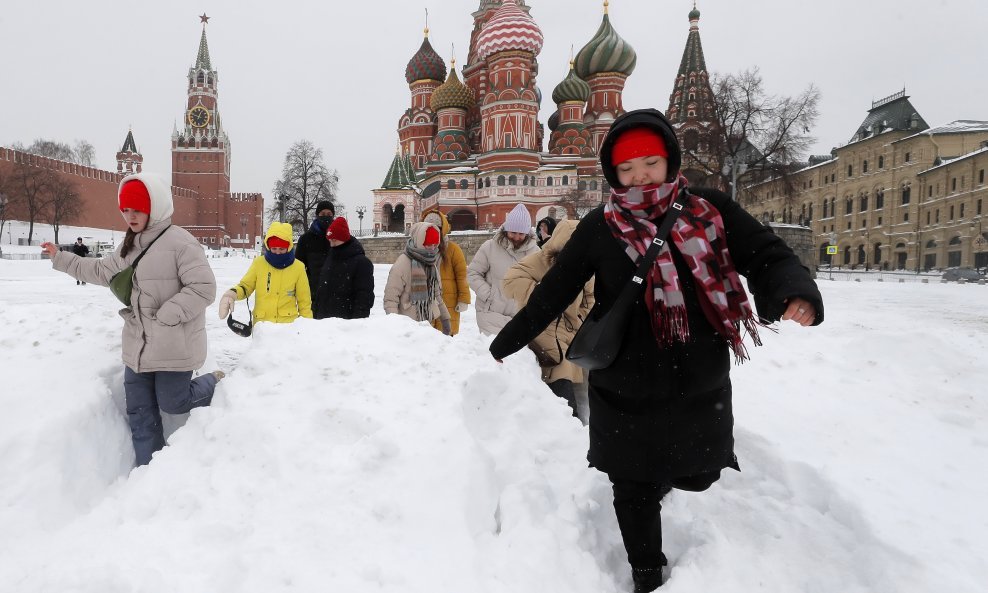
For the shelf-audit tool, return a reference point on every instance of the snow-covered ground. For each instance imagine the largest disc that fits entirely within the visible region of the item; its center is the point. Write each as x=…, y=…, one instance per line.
x=379, y=455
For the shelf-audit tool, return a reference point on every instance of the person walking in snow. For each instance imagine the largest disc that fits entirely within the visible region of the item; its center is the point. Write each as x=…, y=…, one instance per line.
x=452, y=272
x=414, y=288
x=486, y=271
x=544, y=230
x=346, y=283
x=312, y=246
x=81, y=250
x=661, y=413
x=164, y=333
x=550, y=346
x=277, y=279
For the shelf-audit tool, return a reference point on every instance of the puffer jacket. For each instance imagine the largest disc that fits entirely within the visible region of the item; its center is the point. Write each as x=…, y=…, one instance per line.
x=525, y=275
x=453, y=272
x=281, y=295
x=398, y=290
x=165, y=326
x=485, y=274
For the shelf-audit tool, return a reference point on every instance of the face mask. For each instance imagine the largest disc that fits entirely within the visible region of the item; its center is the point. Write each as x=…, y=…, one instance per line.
x=326, y=220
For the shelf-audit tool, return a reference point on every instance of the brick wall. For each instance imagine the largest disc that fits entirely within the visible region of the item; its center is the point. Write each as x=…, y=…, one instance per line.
x=385, y=250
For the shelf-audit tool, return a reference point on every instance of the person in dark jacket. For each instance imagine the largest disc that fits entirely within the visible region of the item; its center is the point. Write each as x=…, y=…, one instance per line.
x=312, y=247
x=660, y=414
x=81, y=250
x=543, y=230
x=346, y=282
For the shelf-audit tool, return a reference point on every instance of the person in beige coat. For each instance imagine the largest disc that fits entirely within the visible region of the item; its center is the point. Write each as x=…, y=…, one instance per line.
x=414, y=288
x=486, y=271
x=551, y=345
x=164, y=333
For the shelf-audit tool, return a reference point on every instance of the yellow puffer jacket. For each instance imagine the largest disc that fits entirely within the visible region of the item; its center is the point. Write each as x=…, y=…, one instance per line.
x=282, y=295
x=453, y=273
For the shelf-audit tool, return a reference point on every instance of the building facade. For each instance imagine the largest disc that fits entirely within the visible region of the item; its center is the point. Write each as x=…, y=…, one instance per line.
x=899, y=195
x=204, y=204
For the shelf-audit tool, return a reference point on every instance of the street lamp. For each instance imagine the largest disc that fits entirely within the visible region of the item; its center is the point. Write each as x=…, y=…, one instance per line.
x=360, y=217
x=734, y=166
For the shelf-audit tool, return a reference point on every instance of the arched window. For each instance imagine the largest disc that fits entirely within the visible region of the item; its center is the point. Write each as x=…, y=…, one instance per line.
x=513, y=180
x=691, y=140
x=876, y=256
x=833, y=207
x=524, y=180
x=848, y=206
x=582, y=184
x=954, y=241
x=201, y=78
x=500, y=179
x=548, y=180
x=879, y=199
x=863, y=198
x=809, y=215
x=881, y=163
x=487, y=182
x=451, y=184
x=565, y=179
x=464, y=184
x=593, y=185
x=861, y=254
x=907, y=191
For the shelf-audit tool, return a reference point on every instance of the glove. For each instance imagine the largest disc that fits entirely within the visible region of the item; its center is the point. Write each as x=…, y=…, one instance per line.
x=447, y=327
x=462, y=307
x=226, y=303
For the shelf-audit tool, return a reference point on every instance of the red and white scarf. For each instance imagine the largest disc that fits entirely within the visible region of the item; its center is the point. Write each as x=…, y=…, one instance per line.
x=633, y=215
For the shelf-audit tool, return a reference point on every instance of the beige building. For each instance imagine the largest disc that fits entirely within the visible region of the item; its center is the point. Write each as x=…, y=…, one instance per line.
x=899, y=195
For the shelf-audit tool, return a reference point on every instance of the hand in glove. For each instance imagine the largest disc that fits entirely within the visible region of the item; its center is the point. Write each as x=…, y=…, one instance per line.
x=447, y=327
x=226, y=303
x=462, y=307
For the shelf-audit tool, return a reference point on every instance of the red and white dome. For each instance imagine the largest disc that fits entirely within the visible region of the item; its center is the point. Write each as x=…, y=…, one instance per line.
x=510, y=28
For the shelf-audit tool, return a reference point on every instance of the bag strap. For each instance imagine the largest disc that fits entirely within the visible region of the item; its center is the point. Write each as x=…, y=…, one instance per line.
x=646, y=261
x=134, y=265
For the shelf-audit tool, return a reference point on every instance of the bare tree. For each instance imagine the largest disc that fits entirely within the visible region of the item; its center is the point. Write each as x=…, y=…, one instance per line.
x=29, y=186
x=760, y=135
x=84, y=152
x=63, y=203
x=578, y=201
x=305, y=181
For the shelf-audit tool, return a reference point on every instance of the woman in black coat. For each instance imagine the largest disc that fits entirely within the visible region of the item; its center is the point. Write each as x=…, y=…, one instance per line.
x=346, y=282
x=660, y=415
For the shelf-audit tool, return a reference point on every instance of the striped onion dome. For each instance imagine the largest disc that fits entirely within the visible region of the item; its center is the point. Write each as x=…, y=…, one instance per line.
x=452, y=93
x=510, y=28
x=606, y=52
x=572, y=88
x=426, y=64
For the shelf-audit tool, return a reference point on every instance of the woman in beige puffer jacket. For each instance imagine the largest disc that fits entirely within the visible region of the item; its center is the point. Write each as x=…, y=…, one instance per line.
x=414, y=288
x=164, y=333
x=520, y=280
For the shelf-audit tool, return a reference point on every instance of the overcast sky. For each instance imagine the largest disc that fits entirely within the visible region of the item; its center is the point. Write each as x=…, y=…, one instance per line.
x=333, y=72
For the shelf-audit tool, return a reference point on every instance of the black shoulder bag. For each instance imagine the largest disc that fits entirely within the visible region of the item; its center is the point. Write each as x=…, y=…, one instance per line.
x=122, y=283
x=598, y=340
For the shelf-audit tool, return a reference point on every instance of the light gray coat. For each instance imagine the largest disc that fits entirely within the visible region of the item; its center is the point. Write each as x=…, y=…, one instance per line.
x=485, y=275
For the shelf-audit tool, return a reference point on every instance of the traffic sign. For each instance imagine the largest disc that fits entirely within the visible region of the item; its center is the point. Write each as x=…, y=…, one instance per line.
x=831, y=250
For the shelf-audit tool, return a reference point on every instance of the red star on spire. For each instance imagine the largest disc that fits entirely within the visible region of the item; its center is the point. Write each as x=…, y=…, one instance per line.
x=203, y=18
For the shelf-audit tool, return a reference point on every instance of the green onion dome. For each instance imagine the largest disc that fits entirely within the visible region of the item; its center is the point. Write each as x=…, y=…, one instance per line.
x=572, y=88
x=606, y=52
x=426, y=64
x=694, y=14
x=452, y=93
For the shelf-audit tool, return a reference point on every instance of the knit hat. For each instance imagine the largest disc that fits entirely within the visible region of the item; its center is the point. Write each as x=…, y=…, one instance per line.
x=518, y=220
x=134, y=195
x=325, y=205
x=638, y=142
x=431, y=237
x=278, y=242
x=339, y=230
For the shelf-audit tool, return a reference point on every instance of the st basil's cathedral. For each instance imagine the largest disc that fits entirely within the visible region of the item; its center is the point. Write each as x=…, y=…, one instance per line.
x=471, y=145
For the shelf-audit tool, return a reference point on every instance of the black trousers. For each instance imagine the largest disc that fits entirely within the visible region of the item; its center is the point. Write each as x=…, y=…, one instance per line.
x=564, y=389
x=639, y=513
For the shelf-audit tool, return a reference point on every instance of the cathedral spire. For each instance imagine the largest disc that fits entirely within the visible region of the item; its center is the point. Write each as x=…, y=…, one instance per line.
x=129, y=144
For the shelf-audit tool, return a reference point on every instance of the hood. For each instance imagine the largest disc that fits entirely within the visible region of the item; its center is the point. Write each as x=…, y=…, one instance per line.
x=445, y=227
x=417, y=233
x=282, y=230
x=564, y=230
x=649, y=118
x=162, y=207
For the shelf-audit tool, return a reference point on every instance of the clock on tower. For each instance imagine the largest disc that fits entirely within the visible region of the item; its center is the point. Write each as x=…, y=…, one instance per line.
x=198, y=116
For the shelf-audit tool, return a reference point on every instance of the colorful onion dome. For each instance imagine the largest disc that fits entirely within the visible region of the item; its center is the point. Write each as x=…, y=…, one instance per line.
x=426, y=64
x=572, y=88
x=509, y=28
x=452, y=93
x=553, y=122
x=606, y=52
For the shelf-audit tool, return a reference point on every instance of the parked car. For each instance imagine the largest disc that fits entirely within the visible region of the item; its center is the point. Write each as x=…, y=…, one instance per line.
x=968, y=274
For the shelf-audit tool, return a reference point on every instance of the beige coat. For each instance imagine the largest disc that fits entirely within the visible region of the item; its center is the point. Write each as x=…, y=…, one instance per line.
x=165, y=326
x=485, y=274
x=521, y=279
x=398, y=290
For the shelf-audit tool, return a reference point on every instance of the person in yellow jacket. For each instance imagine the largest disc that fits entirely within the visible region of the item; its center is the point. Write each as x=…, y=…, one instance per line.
x=452, y=272
x=279, y=279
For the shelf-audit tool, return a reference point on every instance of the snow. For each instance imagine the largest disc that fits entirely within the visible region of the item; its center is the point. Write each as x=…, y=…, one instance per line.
x=379, y=455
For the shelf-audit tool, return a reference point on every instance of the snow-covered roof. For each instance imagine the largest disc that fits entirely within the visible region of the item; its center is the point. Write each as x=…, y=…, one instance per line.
x=945, y=162
x=959, y=126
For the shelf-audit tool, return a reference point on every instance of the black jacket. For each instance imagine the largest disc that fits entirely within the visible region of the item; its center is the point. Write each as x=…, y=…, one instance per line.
x=80, y=250
x=346, y=283
x=660, y=413
x=311, y=250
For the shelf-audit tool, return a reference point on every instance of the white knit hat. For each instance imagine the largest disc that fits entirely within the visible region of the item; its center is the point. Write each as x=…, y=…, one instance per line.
x=518, y=220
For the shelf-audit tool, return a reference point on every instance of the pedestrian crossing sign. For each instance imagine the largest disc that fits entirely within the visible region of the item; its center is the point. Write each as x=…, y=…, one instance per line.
x=831, y=250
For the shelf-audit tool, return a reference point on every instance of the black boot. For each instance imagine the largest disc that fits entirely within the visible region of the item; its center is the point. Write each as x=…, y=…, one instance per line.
x=646, y=579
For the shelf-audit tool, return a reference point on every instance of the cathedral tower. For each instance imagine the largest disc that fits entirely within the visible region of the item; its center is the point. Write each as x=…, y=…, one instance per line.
x=451, y=102
x=129, y=159
x=201, y=149
x=417, y=126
